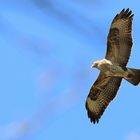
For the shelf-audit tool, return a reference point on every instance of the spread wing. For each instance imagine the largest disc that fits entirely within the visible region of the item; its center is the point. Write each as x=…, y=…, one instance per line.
x=119, y=41
x=101, y=93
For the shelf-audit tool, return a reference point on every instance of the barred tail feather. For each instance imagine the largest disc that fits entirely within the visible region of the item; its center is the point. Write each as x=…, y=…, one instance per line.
x=133, y=76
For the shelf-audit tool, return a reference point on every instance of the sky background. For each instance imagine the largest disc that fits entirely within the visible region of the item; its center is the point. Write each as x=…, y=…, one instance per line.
x=46, y=49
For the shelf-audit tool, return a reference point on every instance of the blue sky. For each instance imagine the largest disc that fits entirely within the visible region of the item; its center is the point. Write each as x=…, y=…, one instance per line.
x=46, y=49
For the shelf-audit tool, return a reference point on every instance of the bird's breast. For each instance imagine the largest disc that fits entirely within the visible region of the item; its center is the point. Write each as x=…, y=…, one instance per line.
x=112, y=70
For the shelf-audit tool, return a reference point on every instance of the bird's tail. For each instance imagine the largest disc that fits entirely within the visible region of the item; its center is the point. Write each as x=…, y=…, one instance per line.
x=133, y=76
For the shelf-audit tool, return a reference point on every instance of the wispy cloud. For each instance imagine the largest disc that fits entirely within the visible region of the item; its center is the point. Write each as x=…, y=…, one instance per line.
x=133, y=136
x=15, y=130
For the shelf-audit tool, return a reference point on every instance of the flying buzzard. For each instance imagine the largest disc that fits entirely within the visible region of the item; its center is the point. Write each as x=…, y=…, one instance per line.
x=113, y=68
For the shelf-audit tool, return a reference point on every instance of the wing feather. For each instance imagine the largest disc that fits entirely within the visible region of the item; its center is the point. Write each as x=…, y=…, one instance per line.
x=119, y=41
x=101, y=93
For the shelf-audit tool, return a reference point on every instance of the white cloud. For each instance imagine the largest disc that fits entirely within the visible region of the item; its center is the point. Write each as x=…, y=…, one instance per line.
x=14, y=130
x=133, y=136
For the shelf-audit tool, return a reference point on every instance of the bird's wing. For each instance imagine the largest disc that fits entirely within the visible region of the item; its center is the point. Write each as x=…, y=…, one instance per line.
x=101, y=93
x=119, y=41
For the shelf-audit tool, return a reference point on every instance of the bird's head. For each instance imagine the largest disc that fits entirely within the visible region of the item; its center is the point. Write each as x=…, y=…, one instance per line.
x=101, y=64
x=95, y=64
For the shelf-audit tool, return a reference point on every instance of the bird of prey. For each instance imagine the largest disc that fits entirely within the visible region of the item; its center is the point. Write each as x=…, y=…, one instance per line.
x=113, y=67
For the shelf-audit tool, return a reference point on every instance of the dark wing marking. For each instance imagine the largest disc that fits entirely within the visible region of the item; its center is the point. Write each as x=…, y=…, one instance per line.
x=119, y=41
x=101, y=93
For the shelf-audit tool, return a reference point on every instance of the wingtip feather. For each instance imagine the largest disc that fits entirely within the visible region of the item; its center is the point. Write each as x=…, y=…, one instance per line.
x=125, y=13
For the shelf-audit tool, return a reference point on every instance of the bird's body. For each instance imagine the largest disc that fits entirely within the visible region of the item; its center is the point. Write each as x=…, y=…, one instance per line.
x=113, y=68
x=109, y=68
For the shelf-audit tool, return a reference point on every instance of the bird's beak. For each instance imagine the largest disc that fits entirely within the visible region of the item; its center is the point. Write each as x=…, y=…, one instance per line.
x=93, y=65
